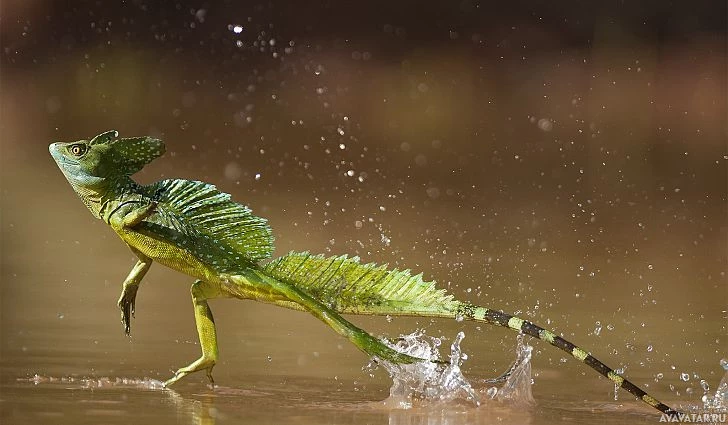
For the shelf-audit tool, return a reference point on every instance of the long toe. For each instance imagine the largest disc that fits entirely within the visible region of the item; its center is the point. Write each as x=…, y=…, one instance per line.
x=199, y=364
x=177, y=376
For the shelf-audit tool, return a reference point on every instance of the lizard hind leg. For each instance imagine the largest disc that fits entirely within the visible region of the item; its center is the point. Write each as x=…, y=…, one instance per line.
x=360, y=338
x=201, y=292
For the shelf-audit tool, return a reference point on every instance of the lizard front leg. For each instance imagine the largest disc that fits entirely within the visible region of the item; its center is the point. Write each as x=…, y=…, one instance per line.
x=129, y=214
x=127, y=300
x=137, y=215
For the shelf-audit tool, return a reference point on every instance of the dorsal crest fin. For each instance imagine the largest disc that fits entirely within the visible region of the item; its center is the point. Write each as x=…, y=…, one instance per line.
x=348, y=286
x=208, y=211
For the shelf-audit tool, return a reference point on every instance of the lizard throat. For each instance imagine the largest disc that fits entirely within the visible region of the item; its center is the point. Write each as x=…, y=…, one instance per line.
x=97, y=199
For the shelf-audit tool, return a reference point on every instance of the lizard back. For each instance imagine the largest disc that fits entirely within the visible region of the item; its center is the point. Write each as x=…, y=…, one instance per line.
x=199, y=218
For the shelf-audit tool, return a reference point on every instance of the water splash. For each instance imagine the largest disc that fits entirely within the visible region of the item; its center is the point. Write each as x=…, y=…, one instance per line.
x=102, y=382
x=517, y=386
x=719, y=401
x=438, y=381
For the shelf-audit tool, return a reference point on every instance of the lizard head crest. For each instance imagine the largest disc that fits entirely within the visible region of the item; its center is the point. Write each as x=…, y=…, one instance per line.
x=89, y=163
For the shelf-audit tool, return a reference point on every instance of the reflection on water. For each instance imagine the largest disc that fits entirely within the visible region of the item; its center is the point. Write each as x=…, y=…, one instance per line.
x=67, y=399
x=99, y=399
x=115, y=400
x=198, y=411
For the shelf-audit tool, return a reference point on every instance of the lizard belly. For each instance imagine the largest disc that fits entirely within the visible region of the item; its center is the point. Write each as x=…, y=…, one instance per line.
x=167, y=254
x=241, y=286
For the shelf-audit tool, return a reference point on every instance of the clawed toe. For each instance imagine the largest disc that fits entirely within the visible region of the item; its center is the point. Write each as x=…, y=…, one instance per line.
x=200, y=364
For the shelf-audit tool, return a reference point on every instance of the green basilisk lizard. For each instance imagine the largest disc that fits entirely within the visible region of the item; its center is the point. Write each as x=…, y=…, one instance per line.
x=191, y=227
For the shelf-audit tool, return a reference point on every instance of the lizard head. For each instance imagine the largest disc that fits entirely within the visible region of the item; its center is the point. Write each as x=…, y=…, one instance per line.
x=91, y=163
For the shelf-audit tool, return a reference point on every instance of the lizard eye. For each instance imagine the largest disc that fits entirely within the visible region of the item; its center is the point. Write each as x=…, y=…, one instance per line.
x=78, y=150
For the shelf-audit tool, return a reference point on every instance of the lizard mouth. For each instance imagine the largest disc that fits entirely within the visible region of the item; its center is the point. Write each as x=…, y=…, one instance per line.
x=55, y=150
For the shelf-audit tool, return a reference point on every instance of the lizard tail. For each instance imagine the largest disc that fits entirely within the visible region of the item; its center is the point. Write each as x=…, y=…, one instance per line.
x=347, y=286
x=482, y=314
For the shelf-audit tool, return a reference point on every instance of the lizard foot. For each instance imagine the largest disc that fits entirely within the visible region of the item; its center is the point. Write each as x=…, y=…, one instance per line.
x=126, y=303
x=376, y=348
x=199, y=364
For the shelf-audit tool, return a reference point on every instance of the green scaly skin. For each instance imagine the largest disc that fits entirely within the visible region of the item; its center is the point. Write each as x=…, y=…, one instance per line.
x=191, y=227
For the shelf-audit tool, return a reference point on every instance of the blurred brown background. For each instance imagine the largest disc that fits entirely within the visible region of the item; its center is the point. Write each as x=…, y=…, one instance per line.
x=566, y=162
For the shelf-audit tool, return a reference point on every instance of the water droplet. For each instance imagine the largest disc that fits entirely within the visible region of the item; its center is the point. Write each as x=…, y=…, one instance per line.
x=684, y=377
x=237, y=29
x=53, y=104
x=433, y=192
x=545, y=124
x=233, y=171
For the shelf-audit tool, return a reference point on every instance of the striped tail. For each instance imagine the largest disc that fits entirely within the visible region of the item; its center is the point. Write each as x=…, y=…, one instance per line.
x=482, y=314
